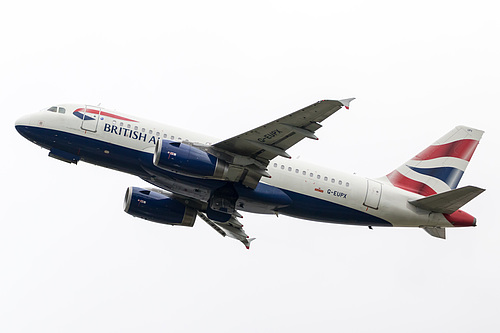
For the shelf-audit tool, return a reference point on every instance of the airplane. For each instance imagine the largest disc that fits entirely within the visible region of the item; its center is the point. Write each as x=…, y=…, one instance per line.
x=195, y=175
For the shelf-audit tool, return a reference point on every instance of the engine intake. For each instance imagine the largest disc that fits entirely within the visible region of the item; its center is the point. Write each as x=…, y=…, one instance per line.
x=188, y=160
x=157, y=207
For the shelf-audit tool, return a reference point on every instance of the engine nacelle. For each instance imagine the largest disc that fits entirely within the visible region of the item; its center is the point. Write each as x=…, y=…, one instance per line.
x=188, y=160
x=157, y=207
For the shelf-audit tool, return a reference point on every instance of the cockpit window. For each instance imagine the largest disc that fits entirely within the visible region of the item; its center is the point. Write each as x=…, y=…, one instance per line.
x=57, y=109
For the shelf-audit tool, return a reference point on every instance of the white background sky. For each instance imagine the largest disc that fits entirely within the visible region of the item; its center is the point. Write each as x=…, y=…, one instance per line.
x=72, y=260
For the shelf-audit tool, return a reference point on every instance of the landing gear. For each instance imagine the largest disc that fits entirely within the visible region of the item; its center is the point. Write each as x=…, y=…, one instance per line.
x=224, y=200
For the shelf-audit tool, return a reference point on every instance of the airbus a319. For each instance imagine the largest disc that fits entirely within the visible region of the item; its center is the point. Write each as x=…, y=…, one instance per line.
x=194, y=175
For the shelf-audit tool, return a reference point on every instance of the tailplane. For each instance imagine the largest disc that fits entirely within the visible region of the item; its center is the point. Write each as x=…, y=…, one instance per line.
x=439, y=167
x=448, y=202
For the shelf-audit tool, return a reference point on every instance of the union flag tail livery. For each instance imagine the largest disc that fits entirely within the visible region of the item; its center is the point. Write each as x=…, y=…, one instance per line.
x=435, y=173
x=439, y=167
x=196, y=175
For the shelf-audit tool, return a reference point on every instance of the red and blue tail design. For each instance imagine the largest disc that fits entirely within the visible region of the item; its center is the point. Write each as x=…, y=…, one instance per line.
x=440, y=167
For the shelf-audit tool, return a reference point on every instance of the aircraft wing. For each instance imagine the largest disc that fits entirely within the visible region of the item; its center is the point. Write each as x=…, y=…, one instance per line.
x=254, y=149
x=233, y=228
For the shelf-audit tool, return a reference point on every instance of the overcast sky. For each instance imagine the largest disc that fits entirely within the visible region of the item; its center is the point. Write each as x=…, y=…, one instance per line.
x=72, y=261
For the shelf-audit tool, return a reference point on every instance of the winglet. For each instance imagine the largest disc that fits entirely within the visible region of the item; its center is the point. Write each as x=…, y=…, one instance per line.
x=346, y=102
x=247, y=242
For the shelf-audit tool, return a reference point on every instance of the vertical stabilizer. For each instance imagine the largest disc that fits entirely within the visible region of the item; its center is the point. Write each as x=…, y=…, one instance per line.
x=439, y=167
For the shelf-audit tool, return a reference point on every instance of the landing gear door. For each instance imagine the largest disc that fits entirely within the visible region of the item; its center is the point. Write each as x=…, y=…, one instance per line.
x=373, y=193
x=91, y=115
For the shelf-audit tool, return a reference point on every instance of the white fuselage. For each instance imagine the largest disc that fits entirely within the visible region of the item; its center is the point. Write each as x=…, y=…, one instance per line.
x=112, y=134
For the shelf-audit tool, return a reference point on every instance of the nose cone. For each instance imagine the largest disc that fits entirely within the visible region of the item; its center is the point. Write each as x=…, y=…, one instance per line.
x=24, y=120
x=22, y=125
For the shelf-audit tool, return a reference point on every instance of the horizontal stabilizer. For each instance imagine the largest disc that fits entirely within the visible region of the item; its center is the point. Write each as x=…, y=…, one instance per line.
x=436, y=232
x=448, y=202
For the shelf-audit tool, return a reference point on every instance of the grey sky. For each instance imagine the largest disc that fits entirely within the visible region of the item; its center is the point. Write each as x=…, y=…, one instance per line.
x=72, y=260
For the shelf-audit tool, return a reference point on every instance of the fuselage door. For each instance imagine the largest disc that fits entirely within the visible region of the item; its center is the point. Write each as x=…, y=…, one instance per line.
x=373, y=193
x=91, y=115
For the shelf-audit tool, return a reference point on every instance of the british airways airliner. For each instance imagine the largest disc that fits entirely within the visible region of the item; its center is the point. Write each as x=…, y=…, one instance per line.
x=200, y=176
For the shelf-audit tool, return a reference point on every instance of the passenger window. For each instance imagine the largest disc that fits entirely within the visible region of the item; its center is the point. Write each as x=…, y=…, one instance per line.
x=303, y=173
x=326, y=179
x=275, y=165
x=319, y=177
x=143, y=130
x=62, y=110
x=289, y=168
x=340, y=182
x=296, y=170
x=53, y=109
x=158, y=134
x=347, y=184
x=333, y=180
x=172, y=137
x=121, y=124
x=128, y=126
x=311, y=174
x=282, y=167
x=165, y=136
x=150, y=132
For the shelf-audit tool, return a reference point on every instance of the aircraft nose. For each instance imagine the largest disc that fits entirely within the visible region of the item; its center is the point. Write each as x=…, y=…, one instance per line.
x=23, y=121
x=22, y=125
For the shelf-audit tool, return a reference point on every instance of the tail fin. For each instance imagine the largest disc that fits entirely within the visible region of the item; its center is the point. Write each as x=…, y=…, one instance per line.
x=439, y=167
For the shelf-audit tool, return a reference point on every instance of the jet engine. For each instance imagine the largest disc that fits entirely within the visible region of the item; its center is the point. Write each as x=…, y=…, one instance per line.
x=188, y=160
x=157, y=207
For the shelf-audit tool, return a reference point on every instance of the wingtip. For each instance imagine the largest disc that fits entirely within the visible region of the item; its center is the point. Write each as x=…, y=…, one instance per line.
x=247, y=242
x=346, y=102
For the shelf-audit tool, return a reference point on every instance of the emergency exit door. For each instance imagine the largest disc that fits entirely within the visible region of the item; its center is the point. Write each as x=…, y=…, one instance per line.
x=90, y=119
x=373, y=194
